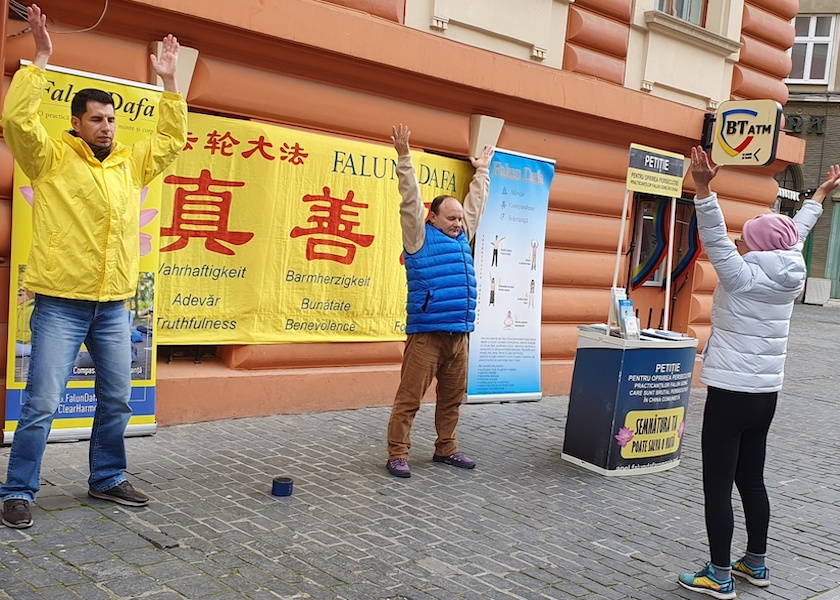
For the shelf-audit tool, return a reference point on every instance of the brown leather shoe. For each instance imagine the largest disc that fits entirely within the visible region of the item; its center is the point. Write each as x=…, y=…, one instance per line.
x=122, y=493
x=16, y=514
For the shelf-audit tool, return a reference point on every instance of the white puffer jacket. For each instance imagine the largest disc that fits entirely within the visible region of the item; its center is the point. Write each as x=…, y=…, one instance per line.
x=753, y=303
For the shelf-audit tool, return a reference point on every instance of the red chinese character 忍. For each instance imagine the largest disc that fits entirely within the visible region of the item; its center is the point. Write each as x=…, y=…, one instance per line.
x=294, y=154
x=191, y=139
x=220, y=143
x=259, y=144
x=332, y=218
x=203, y=213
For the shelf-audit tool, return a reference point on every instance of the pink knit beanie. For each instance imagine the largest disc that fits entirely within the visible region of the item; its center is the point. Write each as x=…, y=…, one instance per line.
x=770, y=232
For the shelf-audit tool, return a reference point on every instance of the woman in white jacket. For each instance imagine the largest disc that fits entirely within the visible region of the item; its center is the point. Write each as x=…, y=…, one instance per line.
x=743, y=367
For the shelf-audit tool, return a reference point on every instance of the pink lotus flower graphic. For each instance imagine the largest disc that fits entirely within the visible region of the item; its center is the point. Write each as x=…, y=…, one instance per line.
x=146, y=216
x=681, y=429
x=624, y=436
x=28, y=193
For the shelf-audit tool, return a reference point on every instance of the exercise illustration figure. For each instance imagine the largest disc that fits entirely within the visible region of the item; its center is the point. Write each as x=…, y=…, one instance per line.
x=497, y=245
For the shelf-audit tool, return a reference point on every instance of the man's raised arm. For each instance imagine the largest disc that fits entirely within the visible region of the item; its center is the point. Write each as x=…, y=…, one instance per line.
x=22, y=128
x=807, y=216
x=476, y=198
x=158, y=152
x=167, y=65
x=43, y=44
x=412, y=210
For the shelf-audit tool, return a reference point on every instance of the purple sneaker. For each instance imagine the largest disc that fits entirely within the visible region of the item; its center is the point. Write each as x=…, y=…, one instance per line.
x=398, y=467
x=459, y=459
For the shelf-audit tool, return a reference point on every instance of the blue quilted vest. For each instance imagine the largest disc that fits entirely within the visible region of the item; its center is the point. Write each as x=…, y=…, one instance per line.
x=441, y=285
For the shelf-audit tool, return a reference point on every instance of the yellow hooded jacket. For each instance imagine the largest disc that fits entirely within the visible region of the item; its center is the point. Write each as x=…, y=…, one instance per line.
x=85, y=213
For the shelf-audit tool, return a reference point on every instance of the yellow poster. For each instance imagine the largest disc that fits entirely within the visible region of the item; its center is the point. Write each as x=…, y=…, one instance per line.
x=135, y=105
x=270, y=234
x=655, y=432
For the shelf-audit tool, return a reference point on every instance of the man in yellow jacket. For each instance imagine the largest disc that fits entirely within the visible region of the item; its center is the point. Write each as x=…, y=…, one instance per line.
x=83, y=264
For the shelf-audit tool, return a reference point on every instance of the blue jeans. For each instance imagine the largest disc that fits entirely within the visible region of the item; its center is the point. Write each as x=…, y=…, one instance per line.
x=59, y=326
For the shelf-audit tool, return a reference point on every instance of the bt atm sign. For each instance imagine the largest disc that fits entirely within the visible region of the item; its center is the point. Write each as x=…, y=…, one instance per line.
x=746, y=133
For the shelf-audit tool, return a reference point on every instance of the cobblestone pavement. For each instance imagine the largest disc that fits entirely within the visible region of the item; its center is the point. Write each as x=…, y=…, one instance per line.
x=523, y=525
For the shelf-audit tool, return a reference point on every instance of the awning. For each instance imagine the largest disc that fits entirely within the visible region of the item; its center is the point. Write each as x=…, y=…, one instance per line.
x=788, y=194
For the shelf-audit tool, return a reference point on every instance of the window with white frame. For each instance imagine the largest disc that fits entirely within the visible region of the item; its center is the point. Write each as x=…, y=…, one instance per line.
x=645, y=243
x=811, y=52
x=693, y=11
x=650, y=238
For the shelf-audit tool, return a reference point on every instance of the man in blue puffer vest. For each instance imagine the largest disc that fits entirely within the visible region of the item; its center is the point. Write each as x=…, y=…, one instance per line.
x=440, y=307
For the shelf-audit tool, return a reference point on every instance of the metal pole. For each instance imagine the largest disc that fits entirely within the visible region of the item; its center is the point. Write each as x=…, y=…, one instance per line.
x=618, y=254
x=669, y=264
x=618, y=251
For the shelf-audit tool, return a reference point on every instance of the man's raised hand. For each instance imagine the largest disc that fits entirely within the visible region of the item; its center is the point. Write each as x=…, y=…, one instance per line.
x=702, y=172
x=484, y=158
x=400, y=135
x=831, y=183
x=43, y=44
x=166, y=65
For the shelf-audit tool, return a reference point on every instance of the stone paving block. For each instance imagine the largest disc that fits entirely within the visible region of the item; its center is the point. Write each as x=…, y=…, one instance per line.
x=268, y=594
x=170, y=570
x=57, y=540
x=185, y=553
x=541, y=574
x=78, y=514
x=120, y=541
x=107, y=570
x=222, y=561
x=36, y=577
x=91, y=592
x=56, y=500
x=106, y=527
x=20, y=551
x=62, y=572
x=134, y=586
x=158, y=539
x=19, y=591
x=830, y=595
x=144, y=556
x=197, y=586
x=344, y=573
x=598, y=590
x=58, y=592
x=232, y=539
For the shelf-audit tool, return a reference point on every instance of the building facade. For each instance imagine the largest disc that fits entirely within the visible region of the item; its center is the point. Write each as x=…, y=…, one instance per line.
x=813, y=115
x=577, y=81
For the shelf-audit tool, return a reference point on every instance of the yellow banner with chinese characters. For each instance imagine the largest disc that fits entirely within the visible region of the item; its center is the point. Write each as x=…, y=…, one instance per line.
x=270, y=234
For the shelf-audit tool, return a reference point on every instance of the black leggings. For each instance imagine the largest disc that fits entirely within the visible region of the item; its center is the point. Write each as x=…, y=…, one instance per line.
x=734, y=444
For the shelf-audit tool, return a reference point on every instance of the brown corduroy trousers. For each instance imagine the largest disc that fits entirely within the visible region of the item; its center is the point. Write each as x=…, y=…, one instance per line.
x=429, y=355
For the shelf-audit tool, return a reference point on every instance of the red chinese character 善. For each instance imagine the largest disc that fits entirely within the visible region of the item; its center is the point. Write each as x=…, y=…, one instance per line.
x=333, y=217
